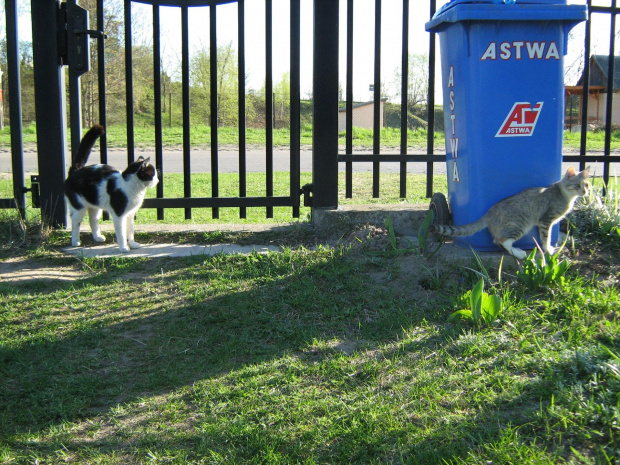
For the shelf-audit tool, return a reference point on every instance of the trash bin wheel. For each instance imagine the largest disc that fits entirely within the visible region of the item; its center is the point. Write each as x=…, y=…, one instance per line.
x=439, y=205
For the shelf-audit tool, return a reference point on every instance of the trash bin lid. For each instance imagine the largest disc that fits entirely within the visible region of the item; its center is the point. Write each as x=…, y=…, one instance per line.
x=507, y=10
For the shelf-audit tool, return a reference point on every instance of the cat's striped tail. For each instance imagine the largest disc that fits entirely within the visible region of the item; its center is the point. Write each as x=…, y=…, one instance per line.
x=461, y=230
x=86, y=145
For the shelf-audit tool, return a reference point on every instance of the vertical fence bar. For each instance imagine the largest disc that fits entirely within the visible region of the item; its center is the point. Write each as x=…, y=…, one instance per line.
x=103, y=141
x=430, y=141
x=159, y=156
x=585, y=95
x=376, y=139
x=269, y=99
x=349, y=103
x=75, y=99
x=187, y=172
x=325, y=111
x=15, y=105
x=404, y=99
x=215, y=175
x=49, y=92
x=129, y=83
x=610, y=91
x=295, y=97
x=242, y=106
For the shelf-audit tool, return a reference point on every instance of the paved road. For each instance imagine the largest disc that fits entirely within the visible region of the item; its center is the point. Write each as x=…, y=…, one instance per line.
x=228, y=162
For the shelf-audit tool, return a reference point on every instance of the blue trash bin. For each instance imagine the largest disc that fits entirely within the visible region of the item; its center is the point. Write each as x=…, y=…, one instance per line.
x=503, y=95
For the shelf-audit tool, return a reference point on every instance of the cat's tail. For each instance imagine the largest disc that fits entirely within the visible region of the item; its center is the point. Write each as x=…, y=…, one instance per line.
x=461, y=230
x=86, y=145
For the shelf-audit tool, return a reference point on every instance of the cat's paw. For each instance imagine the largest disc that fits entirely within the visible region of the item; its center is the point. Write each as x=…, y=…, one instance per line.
x=75, y=243
x=518, y=253
x=134, y=245
x=99, y=238
x=124, y=248
x=549, y=250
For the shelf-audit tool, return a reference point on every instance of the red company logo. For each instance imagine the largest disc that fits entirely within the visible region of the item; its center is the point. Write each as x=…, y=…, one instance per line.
x=521, y=120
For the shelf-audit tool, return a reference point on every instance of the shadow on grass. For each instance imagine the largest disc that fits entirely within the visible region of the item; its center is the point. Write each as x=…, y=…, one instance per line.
x=236, y=342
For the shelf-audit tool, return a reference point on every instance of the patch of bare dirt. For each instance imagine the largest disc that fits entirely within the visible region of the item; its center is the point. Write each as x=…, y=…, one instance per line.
x=20, y=270
x=599, y=263
x=409, y=274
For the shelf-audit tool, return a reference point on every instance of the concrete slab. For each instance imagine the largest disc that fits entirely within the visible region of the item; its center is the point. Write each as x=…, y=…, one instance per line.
x=406, y=218
x=167, y=250
x=163, y=228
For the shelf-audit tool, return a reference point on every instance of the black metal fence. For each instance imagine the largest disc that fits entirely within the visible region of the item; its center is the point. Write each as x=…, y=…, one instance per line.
x=606, y=158
x=376, y=158
x=67, y=23
x=188, y=202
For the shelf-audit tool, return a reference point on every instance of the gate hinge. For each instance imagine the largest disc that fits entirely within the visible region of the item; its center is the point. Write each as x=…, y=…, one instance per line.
x=34, y=188
x=307, y=190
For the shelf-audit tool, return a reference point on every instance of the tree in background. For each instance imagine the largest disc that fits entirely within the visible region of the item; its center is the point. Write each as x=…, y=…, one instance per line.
x=226, y=82
x=142, y=74
x=25, y=68
x=115, y=80
x=417, y=89
x=282, y=100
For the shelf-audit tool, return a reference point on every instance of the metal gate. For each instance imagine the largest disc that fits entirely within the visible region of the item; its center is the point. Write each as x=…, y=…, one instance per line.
x=19, y=191
x=68, y=23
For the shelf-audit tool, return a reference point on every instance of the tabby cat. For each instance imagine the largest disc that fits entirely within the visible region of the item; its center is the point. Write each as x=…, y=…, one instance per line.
x=96, y=188
x=511, y=218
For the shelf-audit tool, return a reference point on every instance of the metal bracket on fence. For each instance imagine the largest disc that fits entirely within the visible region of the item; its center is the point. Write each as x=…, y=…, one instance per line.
x=74, y=37
x=34, y=188
x=307, y=190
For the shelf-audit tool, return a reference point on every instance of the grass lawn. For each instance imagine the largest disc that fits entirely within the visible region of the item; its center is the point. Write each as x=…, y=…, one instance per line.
x=362, y=194
x=200, y=136
x=309, y=355
x=229, y=187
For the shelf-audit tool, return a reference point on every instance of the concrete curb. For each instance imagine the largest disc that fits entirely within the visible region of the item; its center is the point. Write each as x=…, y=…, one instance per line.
x=406, y=218
x=167, y=250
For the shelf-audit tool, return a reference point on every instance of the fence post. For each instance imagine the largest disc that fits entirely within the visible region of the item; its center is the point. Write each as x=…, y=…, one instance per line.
x=325, y=95
x=15, y=105
x=51, y=118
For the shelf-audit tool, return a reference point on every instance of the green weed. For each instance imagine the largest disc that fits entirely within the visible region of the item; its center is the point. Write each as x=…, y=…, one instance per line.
x=542, y=270
x=597, y=217
x=409, y=246
x=483, y=308
x=423, y=237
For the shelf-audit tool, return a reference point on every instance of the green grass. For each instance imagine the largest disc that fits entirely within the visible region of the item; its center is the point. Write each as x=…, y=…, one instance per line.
x=200, y=136
x=311, y=355
x=302, y=356
x=595, y=140
x=229, y=187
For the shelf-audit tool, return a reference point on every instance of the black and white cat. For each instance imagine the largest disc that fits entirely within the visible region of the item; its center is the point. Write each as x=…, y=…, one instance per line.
x=96, y=188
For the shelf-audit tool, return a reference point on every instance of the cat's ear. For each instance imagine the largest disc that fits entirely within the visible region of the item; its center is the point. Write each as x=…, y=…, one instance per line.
x=586, y=172
x=145, y=161
x=570, y=172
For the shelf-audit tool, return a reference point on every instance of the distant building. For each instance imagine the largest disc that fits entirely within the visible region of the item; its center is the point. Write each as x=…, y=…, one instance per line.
x=597, y=98
x=363, y=115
